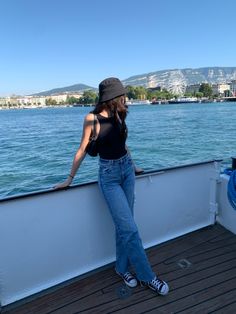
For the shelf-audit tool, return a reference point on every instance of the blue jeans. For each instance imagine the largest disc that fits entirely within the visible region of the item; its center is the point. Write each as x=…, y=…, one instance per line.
x=116, y=181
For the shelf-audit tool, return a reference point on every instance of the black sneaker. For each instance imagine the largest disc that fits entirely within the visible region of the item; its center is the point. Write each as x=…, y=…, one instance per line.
x=129, y=279
x=159, y=286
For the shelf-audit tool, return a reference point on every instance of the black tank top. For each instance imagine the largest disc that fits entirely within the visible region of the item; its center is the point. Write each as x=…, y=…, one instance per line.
x=111, y=142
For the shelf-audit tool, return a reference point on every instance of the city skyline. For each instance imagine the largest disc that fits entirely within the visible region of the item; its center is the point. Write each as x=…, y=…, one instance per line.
x=50, y=44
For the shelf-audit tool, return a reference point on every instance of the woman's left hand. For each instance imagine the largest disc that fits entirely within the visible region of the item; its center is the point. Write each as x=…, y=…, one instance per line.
x=138, y=170
x=64, y=184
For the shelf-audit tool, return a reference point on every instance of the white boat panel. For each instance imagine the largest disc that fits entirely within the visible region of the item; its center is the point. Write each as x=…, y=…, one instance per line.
x=49, y=238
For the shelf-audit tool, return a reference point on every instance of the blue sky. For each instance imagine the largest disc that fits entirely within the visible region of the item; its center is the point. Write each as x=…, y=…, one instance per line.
x=55, y=43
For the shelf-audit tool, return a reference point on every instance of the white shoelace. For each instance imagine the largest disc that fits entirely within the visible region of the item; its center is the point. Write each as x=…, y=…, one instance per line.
x=128, y=276
x=158, y=283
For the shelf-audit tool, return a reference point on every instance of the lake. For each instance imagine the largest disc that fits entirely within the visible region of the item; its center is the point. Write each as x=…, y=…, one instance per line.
x=37, y=146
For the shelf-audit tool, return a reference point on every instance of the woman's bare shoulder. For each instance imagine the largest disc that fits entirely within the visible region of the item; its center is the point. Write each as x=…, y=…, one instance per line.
x=89, y=117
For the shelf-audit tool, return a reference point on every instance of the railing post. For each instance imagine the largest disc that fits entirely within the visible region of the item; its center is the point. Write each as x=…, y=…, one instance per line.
x=214, y=181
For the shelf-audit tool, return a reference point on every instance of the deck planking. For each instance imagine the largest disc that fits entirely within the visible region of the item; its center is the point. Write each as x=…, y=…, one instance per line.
x=200, y=268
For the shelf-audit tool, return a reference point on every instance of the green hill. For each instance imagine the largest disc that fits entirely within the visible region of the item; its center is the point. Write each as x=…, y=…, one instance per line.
x=77, y=88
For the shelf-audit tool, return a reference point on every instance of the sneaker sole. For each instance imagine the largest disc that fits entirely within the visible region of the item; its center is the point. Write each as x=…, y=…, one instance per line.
x=130, y=285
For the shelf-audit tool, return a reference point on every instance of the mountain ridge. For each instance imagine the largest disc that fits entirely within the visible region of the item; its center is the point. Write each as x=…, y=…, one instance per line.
x=174, y=80
x=72, y=88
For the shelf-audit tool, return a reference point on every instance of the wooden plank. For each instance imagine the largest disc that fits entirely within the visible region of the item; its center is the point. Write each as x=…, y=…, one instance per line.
x=197, y=261
x=205, y=300
x=208, y=305
x=212, y=252
x=108, y=303
x=224, y=236
x=175, y=272
x=85, y=286
x=182, y=252
x=203, y=248
x=62, y=296
x=180, y=288
x=173, y=248
x=173, y=275
x=228, y=309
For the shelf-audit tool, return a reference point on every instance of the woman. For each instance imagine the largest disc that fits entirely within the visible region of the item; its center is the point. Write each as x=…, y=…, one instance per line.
x=116, y=181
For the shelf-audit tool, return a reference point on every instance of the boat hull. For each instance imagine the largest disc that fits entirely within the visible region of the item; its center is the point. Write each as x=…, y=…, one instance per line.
x=183, y=102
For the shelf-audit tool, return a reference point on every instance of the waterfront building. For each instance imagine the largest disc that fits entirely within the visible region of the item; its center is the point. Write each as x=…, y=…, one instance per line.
x=154, y=89
x=192, y=89
x=233, y=88
x=12, y=101
x=38, y=101
x=9, y=101
x=62, y=98
x=220, y=89
x=24, y=100
x=217, y=89
x=3, y=101
x=34, y=101
x=76, y=95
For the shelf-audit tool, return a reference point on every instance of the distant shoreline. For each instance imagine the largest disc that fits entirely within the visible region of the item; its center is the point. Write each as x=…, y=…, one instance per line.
x=42, y=107
x=129, y=103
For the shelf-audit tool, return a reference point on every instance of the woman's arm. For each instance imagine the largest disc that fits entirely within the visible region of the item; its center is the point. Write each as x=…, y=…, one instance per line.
x=81, y=152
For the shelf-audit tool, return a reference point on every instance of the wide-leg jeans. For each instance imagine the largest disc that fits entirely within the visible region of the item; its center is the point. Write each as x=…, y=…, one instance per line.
x=116, y=181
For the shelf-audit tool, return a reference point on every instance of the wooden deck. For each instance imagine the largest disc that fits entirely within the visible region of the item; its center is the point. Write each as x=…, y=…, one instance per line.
x=200, y=268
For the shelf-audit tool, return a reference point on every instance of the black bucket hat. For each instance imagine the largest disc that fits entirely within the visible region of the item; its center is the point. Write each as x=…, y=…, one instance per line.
x=110, y=88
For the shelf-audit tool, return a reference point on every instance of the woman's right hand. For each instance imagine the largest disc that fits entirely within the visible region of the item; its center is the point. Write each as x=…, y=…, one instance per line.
x=64, y=184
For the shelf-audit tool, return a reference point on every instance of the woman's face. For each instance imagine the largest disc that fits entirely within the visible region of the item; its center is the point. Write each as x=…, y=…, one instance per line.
x=123, y=100
x=126, y=106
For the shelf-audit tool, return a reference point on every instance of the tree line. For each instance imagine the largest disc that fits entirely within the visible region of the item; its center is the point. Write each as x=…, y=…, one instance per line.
x=139, y=93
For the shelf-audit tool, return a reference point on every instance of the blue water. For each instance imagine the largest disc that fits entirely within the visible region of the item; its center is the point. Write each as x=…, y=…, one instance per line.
x=37, y=146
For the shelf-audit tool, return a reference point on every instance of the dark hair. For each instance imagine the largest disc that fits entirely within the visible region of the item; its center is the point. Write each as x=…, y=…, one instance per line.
x=117, y=108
